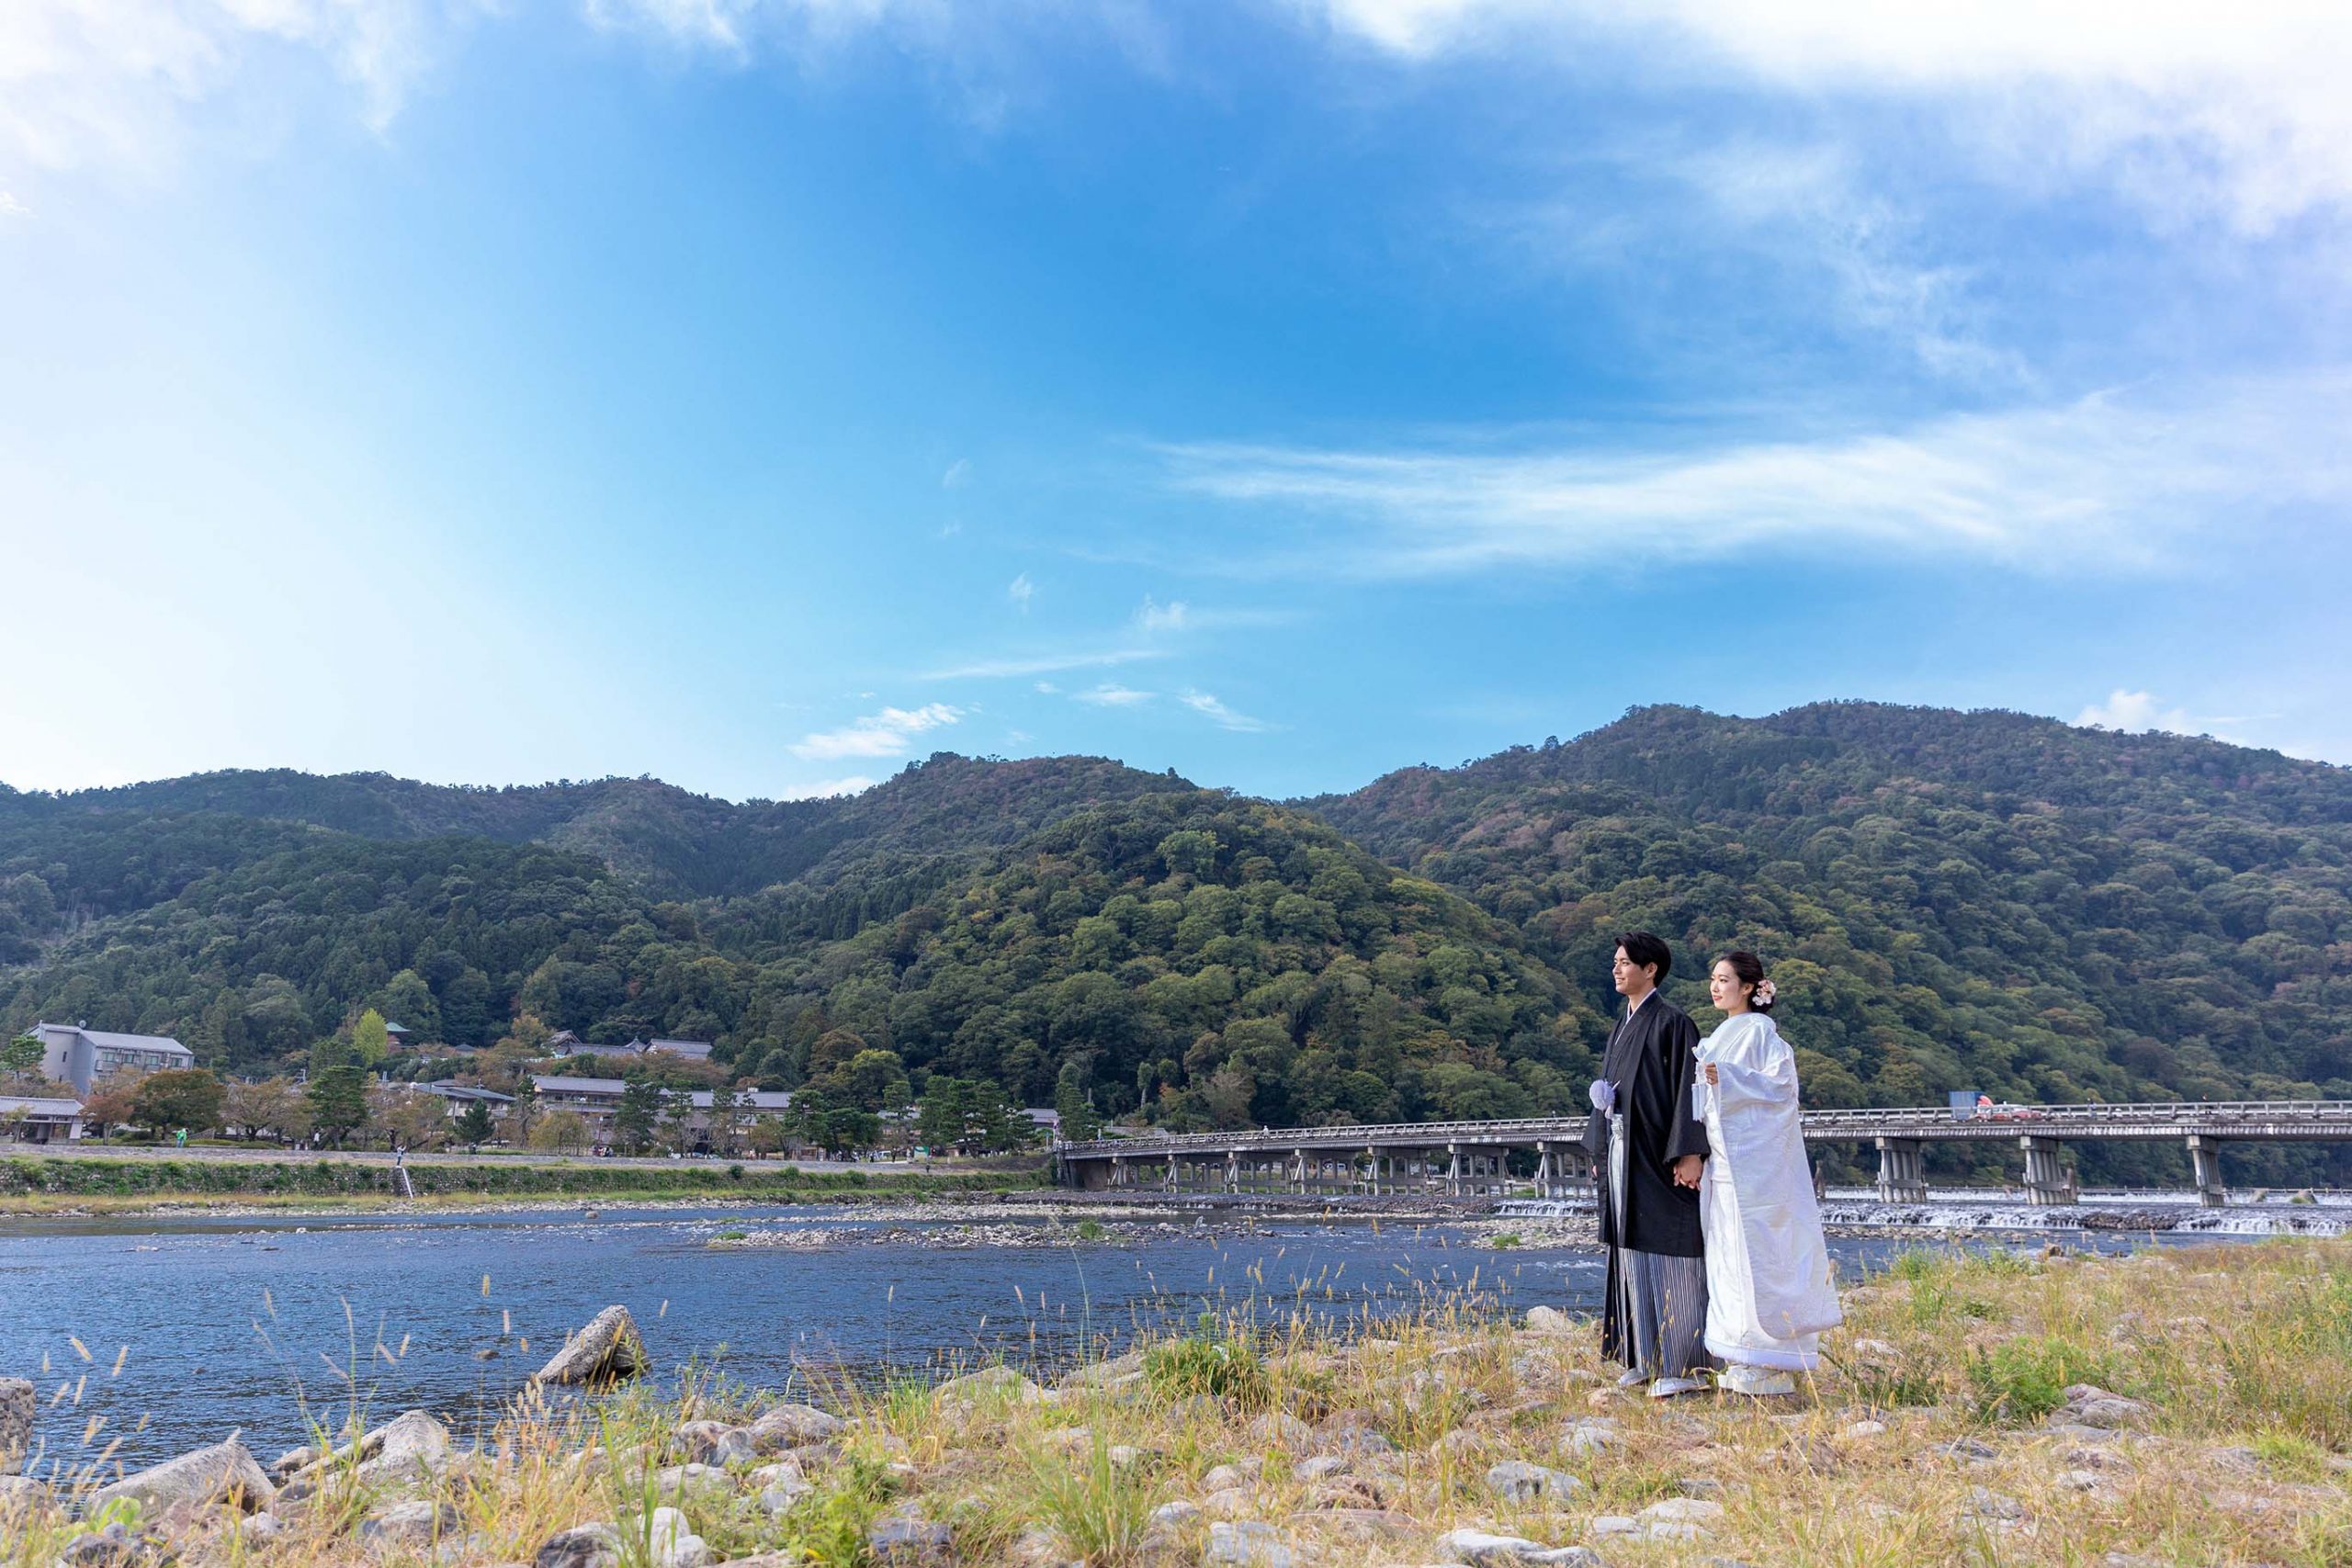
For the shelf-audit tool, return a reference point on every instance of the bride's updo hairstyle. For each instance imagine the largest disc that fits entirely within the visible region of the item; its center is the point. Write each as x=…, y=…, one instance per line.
x=1751, y=970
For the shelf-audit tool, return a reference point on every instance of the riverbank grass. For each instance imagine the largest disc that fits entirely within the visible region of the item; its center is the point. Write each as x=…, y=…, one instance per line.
x=2182, y=1406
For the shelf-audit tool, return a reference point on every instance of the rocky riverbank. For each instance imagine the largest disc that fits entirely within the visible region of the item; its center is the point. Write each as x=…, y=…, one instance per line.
x=2123, y=1412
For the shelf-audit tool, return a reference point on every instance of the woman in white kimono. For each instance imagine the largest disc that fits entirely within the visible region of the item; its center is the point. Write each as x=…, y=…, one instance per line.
x=1769, y=1290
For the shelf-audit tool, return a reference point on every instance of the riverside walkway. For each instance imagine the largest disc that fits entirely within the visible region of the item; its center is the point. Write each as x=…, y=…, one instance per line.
x=1472, y=1158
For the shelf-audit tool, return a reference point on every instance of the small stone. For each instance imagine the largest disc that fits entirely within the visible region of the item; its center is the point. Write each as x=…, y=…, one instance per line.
x=680, y=1479
x=670, y=1544
x=1987, y=1504
x=1228, y=1502
x=2080, y=1479
x=259, y=1529
x=1277, y=1430
x=584, y=1546
x=1971, y=1450
x=419, y=1522
x=999, y=1383
x=1355, y=1440
x=1865, y=1429
x=1224, y=1478
x=1321, y=1466
x=1358, y=1521
x=1589, y=1437
x=292, y=1459
x=1176, y=1515
x=1516, y=1481
x=1246, y=1543
x=1683, y=1510
x=1874, y=1349
x=900, y=1540
x=1483, y=1549
x=117, y=1546
x=1550, y=1320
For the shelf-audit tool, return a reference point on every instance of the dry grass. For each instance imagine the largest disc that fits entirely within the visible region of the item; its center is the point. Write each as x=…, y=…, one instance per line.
x=2243, y=1356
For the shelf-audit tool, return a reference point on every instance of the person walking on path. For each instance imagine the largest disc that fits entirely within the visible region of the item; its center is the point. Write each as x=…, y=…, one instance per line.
x=1769, y=1293
x=1649, y=1152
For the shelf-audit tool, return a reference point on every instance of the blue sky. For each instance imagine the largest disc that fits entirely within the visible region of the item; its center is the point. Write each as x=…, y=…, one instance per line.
x=759, y=393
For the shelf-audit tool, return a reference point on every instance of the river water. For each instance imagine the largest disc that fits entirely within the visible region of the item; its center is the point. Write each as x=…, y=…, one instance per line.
x=188, y=1327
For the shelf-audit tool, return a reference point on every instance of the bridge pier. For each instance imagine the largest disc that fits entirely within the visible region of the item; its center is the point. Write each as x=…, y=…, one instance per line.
x=1902, y=1171
x=2045, y=1175
x=2205, y=1159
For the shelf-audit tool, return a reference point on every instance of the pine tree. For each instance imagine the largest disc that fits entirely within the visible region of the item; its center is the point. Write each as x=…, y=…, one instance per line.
x=338, y=1091
x=633, y=1122
x=474, y=1123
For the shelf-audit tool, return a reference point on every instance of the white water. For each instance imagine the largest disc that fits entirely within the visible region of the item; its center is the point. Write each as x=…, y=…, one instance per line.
x=2178, y=1216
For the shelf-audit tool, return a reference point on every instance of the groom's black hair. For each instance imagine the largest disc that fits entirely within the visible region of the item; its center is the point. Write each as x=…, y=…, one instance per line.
x=1642, y=947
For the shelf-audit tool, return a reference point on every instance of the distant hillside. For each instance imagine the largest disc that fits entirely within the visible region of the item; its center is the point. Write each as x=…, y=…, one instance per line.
x=1949, y=900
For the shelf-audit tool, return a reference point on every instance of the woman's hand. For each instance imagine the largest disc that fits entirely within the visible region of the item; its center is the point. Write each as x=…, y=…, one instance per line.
x=1685, y=1170
x=1709, y=1071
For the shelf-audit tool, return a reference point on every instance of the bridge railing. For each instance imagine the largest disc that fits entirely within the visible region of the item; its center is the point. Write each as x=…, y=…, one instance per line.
x=2188, y=1114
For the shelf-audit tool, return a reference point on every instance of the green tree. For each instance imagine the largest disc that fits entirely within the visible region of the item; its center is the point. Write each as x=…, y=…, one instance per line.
x=1074, y=1103
x=677, y=1120
x=640, y=1110
x=474, y=1123
x=337, y=1092
x=369, y=1042
x=189, y=1096
x=525, y=1111
x=21, y=1056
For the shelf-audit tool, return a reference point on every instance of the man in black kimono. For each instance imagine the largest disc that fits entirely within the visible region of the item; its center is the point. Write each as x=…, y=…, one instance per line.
x=1648, y=1148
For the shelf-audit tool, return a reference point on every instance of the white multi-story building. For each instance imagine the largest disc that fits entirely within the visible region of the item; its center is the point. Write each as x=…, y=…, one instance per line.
x=73, y=1054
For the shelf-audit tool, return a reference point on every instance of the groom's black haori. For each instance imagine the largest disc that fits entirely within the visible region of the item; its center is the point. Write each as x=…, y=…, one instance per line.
x=1655, y=1306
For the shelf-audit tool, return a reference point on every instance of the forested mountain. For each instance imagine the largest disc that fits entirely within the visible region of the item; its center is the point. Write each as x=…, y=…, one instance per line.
x=1982, y=900
x=1947, y=900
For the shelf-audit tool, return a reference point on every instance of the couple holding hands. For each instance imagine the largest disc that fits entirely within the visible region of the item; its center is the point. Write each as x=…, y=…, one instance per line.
x=1715, y=1251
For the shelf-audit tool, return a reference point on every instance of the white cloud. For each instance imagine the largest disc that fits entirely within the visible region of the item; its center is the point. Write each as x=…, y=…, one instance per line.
x=1021, y=590
x=11, y=207
x=2241, y=114
x=853, y=784
x=2109, y=481
x=1210, y=707
x=1157, y=617
x=1111, y=694
x=1044, y=663
x=1047, y=687
x=958, y=474
x=2134, y=711
x=889, y=733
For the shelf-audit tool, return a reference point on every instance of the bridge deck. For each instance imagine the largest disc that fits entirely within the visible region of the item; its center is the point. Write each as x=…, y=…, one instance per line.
x=2262, y=1120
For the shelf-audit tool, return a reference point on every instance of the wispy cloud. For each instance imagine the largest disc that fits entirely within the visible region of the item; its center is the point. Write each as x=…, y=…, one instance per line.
x=2134, y=713
x=889, y=733
x=1021, y=590
x=2189, y=114
x=1111, y=694
x=11, y=207
x=1209, y=708
x=2112, y=480
x=1153, y=617
x=824, y=789
x=1046, y=663
x=958, y=474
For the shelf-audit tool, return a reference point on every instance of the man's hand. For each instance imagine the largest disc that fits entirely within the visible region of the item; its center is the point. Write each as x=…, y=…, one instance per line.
x=1709, y=1072
x=1685, y=1170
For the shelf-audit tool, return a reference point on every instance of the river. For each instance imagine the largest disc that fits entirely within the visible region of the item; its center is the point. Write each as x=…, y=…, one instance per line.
x=187, y=1328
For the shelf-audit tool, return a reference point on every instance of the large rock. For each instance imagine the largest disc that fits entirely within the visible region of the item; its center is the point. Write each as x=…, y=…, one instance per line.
x=1550, y=1320
x=608, y=1350
x=224, y=1473
x=1483, y=1549
x=794, y=1426
x=583, y=1546
x=715, y=1442
x=16, y=1407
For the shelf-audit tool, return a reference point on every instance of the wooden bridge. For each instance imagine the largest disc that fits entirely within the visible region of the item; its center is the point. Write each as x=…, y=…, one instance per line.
x=1471, y=1158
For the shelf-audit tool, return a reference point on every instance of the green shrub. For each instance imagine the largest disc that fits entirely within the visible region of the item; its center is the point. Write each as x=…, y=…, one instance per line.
x=2026, y=1379
x=1208, y=1361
